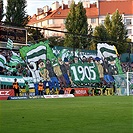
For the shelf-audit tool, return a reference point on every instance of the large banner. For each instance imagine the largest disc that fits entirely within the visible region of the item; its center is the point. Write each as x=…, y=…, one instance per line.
x=84, y=73
x=6, y=92
x=66, y=52
x=8, y=80
x=78, y=91
x=35, y=60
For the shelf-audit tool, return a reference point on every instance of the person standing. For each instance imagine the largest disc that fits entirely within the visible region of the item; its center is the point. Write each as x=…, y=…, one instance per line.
x=64, y=72
x=40, y=88
x=27, y=88
x=58, y=72
x=61, y=91
x=44, y=73
x=52, y=75
x=16, y=87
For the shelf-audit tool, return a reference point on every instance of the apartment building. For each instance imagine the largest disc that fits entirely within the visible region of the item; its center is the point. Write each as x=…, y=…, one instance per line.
x=125, y=8
x=54, y=17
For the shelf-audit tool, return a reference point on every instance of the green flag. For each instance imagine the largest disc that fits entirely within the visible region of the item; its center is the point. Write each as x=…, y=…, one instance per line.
x=10, y=68
x=105, y=50
x=2, y=61
x=34, y=52
x=14, y=61
x=50, y=54
x=9, y=44
x=15, y=58
x=118, y=65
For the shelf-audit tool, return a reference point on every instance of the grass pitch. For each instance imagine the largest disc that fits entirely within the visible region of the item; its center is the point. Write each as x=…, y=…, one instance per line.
x=97, y=114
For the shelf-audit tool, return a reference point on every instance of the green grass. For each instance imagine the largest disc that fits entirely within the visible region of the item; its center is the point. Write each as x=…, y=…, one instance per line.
x=98, y=114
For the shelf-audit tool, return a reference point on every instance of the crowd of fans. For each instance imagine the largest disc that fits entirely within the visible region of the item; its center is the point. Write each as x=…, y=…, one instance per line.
x=105, y=67
x=21, y=68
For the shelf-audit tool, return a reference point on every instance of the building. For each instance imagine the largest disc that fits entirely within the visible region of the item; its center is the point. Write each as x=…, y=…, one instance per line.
x=54, y=17
x=125, y=8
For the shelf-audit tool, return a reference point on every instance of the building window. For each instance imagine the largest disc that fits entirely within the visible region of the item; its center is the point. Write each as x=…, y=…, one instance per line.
x=65, y=30
x=93, y=20
x=59, y=12
x=35, y=25
x=40, y=24
x=51, y=21
x=129, y=31
x=64, y=21
x=47, y=22
x=128, y=22
x=102, y=21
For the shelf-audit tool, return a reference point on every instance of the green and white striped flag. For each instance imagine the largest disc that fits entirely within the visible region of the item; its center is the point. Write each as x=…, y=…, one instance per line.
x=34, y=52
x=2, y=61
x=104, y=50
x=11, y=69
x=9, y=44
x=64, y=53
x=14, y=61
x=15, y=58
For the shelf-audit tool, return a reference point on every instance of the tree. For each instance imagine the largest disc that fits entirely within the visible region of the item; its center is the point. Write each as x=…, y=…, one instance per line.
x=1, y=10
x=76, y=24
x=56, y=41
x=70, y=26
x=101, y=34
x=108, y=24
x=113, y=32
x=118, y=32
x=34, y=35
x=81, y=24
x=16, y=12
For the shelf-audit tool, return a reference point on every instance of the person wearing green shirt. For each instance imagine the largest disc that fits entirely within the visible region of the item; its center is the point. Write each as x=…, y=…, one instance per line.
x=27, y=88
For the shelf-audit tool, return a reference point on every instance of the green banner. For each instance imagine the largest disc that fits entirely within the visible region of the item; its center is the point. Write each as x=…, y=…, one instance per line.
x=68, y=52
x=84, y=73
x=8, y=80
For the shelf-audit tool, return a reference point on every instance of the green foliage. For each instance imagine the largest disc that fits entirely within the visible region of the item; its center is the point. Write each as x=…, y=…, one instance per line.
x=108, y=24
x=113, y=32
x=16, y=12
x=81, y=23
x=117, y=26
x=94, y=114
x=34, y=36
x=56, y=41
x=1, y=10
x=70, y=26
x=71, y=18
x=100, y=34
x=118, y=32
x=76, y=24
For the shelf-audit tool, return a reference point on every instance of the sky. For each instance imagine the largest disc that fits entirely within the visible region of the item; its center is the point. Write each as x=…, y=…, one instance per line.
x=32, y=5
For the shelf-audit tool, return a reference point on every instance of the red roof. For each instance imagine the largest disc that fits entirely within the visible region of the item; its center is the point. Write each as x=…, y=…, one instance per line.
x=62, y=13
x=125, y=7
x=92, y=12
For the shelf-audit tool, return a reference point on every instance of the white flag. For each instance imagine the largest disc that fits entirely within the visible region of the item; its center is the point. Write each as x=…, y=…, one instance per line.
x=104, y=50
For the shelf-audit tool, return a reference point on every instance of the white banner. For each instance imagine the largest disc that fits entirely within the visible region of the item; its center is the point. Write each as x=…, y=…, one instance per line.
x=59, y=96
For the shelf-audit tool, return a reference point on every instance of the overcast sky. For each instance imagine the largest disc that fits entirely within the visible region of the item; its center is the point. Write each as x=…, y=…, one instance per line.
x=32, y=5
